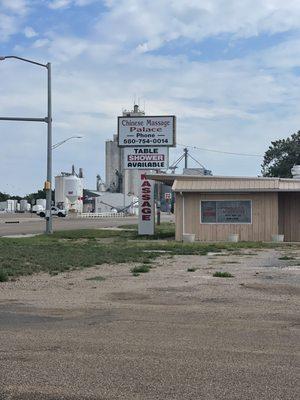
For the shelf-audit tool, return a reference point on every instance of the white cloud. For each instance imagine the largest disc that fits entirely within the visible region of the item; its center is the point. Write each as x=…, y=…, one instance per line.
x=15, y=6
x=41, y=43
x=151, y=23
x=12, y=13
x=57, y=4
x=235, y=105
x=8, y=27
x=29, y=32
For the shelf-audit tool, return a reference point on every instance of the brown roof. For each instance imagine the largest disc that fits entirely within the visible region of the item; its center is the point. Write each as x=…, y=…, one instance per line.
x=196, y=183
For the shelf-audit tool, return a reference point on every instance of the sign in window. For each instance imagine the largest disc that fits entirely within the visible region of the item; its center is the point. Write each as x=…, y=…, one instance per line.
x=226, y=212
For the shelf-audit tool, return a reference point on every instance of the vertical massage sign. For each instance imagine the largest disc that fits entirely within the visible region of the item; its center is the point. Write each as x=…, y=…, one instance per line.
x=146, y=199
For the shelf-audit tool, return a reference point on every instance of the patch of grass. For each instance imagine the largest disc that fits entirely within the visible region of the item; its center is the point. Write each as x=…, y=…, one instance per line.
x=286, y=258
x=3, y=276
x=71, y=250
x=229, y=262
x=166, y=230
x=147, y=261
x=96, y=278
x=92, y=234
x=141, y=269
x=191, y=269
x=220, y=274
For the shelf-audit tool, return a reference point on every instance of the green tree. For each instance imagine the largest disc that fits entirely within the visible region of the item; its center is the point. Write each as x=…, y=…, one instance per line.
x=4, y=196
x=281, y=156
x=40, y=194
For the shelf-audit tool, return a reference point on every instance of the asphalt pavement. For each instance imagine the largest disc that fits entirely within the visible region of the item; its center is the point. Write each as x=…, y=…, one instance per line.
x=24, y=224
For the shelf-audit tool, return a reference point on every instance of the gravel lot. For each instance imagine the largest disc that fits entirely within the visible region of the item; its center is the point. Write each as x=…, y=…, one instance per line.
x=167, y=334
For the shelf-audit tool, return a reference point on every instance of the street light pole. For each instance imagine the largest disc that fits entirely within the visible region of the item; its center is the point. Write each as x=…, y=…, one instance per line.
x=48, y=185
x=48, y=120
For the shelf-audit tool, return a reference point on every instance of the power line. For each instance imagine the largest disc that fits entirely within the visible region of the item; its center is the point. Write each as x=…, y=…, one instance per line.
x=220, y=151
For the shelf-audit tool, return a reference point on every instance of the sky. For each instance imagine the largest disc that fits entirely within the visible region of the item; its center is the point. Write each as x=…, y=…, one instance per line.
x=228, y=69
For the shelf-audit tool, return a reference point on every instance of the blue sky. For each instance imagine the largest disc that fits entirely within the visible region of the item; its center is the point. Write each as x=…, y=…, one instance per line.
x=229, y=71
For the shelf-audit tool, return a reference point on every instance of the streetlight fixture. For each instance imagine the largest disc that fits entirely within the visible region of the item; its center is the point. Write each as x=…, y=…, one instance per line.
x=64, y=141
x=48, y=121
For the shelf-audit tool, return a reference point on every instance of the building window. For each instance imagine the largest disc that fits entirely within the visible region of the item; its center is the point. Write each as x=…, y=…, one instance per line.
x=226, y=212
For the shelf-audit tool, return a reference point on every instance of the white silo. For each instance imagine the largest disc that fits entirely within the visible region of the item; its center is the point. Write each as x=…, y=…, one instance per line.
x=23, y=205
x=296, y=171
x=41, y=202
x=69, y=191
x=73, y=189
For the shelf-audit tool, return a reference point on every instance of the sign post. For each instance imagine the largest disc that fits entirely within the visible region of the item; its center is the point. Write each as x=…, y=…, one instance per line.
x=146, y=206
x=146, y=141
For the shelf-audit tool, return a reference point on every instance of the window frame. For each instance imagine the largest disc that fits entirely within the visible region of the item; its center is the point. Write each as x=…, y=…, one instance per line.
x=227, y=223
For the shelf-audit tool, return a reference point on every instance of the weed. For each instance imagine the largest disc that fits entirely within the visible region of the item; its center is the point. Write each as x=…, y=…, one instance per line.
x=142, y=269
x=96, y=278
x=286, y=258
x=191, y=269
x=220, y=274
x=229, y=262
x=3, y=276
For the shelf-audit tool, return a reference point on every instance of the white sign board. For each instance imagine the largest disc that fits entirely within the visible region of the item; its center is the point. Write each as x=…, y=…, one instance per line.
x=146, y=206
x=146, y=131
x=146, y=157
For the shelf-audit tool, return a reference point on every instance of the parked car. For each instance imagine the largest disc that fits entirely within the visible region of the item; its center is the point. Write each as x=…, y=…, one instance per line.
x=54, y=211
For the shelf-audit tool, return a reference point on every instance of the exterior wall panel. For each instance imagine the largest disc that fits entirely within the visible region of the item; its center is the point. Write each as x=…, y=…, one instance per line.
x=289, y=216
x=264, y=217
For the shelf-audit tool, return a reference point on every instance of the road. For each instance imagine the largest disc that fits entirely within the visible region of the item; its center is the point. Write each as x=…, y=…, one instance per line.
x=20, y=224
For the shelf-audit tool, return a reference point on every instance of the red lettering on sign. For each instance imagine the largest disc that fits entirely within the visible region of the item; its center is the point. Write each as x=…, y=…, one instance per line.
x=146, y=183
x=146, y=217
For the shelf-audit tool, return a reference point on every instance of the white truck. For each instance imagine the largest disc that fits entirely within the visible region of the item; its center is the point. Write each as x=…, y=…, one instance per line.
x=54, y=211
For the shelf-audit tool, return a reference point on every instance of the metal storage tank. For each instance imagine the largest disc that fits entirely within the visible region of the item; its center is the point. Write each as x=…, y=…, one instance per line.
x=11, y=205
x=73, y=188
x=23, y=205
x=296, y=171
x=69, y=191
x=41, y=202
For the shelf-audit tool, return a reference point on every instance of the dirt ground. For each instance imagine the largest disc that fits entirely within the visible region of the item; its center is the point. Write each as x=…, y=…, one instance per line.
x=166, y=334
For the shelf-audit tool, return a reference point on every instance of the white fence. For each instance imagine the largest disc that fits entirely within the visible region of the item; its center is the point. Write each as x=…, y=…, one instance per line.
x=103, y=215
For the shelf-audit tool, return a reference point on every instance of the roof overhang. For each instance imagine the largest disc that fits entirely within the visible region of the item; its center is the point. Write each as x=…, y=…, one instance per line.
x=226, y=184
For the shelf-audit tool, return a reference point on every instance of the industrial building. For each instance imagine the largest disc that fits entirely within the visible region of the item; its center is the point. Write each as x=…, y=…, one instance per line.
x=215, y=208
x=105, y=202
x=117, y=179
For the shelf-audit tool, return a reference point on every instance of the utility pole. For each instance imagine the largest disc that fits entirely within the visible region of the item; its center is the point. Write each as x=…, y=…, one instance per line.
x=185, y=150
x=158, y=203
x=48, y=183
